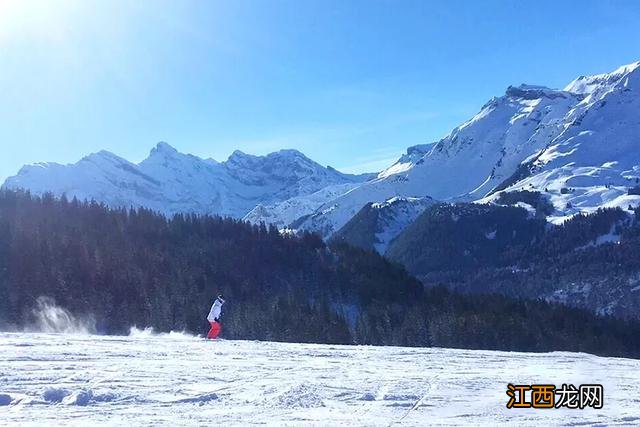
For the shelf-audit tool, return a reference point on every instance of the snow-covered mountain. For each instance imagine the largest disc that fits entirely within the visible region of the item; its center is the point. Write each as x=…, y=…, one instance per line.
x=378, y=224
x=282, y=214
x=580, y=146
x=171, y=182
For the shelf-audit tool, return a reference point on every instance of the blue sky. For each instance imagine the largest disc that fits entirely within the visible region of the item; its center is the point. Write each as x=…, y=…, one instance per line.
x=351, y=84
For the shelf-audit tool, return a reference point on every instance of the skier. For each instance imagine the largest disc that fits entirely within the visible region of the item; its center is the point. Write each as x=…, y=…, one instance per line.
x=214, y=316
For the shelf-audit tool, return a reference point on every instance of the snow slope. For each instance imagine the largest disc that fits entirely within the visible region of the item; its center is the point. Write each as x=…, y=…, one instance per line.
x=171, y=182
x=579, y=145
x=175, y=379
x=596, y=158
x=282, y=214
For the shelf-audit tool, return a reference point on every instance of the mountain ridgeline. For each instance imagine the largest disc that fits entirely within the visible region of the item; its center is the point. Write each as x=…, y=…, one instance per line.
x=579, y=145
x=170, y=182
x=135, y=267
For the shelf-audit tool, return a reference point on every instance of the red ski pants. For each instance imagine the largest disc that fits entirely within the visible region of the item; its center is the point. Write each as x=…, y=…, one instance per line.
x=214, y=331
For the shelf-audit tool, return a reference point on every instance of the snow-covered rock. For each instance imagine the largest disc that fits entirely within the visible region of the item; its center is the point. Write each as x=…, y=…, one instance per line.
x=170, y=182
x=580, y=146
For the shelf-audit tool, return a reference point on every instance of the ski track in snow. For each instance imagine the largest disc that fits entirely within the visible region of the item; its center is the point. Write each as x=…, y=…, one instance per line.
x=175, y=379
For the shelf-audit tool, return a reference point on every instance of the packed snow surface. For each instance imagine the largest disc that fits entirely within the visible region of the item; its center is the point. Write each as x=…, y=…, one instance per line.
x=177, y=379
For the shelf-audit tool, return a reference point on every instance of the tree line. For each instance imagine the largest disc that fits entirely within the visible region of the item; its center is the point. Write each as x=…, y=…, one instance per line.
x=591, y=260
x=127, y=267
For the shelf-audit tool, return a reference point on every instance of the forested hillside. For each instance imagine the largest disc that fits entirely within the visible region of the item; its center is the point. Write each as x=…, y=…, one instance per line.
x=135, y=267
x=589, y=261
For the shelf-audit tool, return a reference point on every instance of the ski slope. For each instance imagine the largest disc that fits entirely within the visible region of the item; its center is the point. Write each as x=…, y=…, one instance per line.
x=176, y=379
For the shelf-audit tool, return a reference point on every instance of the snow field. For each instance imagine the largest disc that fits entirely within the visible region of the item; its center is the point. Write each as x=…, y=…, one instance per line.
x=177, y=379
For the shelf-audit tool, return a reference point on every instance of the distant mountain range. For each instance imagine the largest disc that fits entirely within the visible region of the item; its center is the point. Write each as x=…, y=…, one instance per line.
x=171, y=182
x=579, y=147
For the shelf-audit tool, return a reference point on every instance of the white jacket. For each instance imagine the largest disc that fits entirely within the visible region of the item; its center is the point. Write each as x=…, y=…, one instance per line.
x=216, y=308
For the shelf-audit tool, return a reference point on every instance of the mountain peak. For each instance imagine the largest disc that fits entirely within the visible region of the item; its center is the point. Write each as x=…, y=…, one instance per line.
x=526, y=91
x=104, y=155
x=588, y=84
x=290, y=152
x=291, y=155
x=239, y=157
x=626, y=69
x=163, y=148
x=281, y=156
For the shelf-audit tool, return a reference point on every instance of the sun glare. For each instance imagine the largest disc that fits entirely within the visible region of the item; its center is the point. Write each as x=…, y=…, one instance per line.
x=43, y=19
